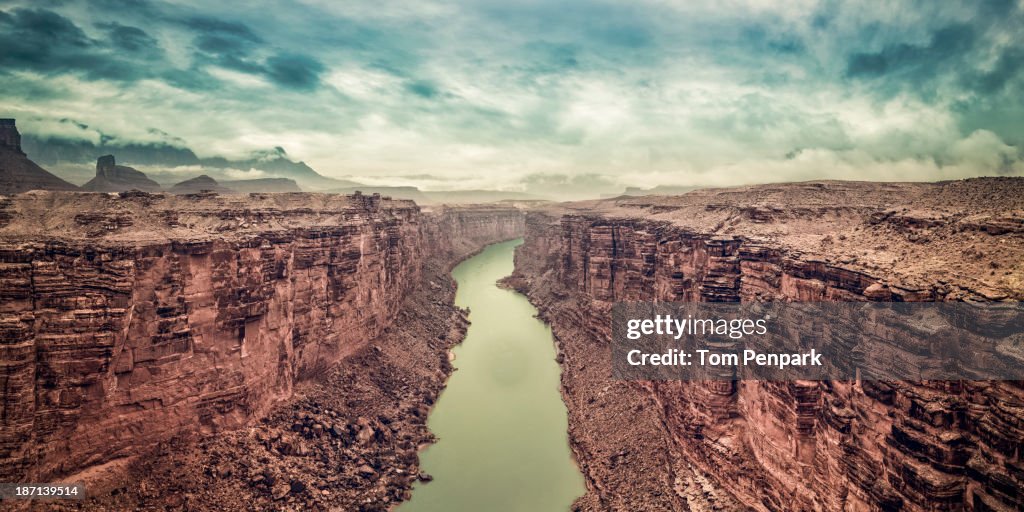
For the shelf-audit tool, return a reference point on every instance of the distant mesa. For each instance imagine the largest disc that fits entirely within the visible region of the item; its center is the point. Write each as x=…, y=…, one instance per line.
x=660, y=190
x=477, y=196
x=18, y=173
x=262, y=185
x=400, y=192
x=438, y=196
x=208, y=183
x=9, y=136
x=161, y=159
x=199, y=184
x=111, y=177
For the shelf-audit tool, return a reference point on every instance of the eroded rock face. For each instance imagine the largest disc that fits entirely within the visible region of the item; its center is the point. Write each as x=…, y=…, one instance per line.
x=144, y=317
x=796, y=445
x=460, y=230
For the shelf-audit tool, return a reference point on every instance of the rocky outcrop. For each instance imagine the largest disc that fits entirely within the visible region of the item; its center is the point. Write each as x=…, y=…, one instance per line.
x=111, y=177
x=198, y=185
x=128, y=320
x=18, y=173
x=788, y=445
x=9, y=136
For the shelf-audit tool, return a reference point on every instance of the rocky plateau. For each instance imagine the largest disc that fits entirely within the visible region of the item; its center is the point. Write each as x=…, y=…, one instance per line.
x=804, y=445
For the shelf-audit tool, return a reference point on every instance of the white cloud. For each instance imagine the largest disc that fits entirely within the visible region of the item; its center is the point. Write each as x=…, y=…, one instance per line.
x=653, y=92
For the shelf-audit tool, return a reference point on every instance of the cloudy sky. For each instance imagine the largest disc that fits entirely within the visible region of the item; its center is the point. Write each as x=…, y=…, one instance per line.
x=536, y=93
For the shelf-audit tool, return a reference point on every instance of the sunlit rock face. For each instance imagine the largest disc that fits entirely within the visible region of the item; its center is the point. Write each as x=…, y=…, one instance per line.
x=129, y=319
x=797, y=445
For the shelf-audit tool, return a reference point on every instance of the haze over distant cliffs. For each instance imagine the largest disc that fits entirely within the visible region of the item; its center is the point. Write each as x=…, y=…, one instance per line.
x=111, y=177
x=199, y=184
x=159, y=166
x=262, y=185
x=169, y=164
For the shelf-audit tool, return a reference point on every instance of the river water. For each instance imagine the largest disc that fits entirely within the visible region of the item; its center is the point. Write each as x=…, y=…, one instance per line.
x=500, y=421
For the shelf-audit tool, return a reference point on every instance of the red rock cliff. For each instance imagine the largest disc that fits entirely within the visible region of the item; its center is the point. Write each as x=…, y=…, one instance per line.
x=801, y=445
x=129, y=319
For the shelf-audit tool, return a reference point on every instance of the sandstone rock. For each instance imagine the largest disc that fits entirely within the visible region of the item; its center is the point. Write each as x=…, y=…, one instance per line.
x=280, y=490
x=122, y=339
x=878, y=291
x=784, y=446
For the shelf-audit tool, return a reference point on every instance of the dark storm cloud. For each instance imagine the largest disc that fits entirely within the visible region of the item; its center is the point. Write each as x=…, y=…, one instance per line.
x=954, y=52
x=1008, y=68
x=131, y=39
x=916, y=63
x=583, y=90
x=235, y=45
x=40, y=39
x=43, y=41
x=209, y=26
x=974, y=65
x=423, y=89
x=228, y=44
x=294, y=71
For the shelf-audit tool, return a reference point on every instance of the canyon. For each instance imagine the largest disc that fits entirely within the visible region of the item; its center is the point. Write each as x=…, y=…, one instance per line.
x=133, y=319
x=203, y=351
x=800, y=445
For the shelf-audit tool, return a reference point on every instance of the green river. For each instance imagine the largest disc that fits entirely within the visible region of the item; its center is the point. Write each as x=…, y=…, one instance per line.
x=500, y=422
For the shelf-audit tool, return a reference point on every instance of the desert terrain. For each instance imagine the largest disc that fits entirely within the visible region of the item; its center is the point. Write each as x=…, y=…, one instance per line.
x=203, y=349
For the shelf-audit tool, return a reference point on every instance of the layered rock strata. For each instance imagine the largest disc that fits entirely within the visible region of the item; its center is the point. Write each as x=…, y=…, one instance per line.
x=348, y=440
x=784, y=445
x=129, y=320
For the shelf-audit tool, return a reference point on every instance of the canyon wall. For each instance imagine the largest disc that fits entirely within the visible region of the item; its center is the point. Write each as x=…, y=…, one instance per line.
x=801, y=445
x=455, y=232
x=130, y=319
